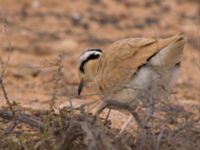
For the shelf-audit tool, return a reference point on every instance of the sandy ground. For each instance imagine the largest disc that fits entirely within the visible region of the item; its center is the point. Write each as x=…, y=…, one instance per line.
x=41, y=31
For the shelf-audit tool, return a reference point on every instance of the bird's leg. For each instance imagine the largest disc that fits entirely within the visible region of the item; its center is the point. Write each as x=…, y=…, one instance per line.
x=128, y=107
x=119, y=105
x=107, y=116
x=108, y=103
x=125, y=125
x=137, y=119
x=116, y=104
x=100, y=108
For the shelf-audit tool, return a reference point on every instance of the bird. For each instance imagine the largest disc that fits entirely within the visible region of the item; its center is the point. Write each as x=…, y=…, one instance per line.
x=132, y=71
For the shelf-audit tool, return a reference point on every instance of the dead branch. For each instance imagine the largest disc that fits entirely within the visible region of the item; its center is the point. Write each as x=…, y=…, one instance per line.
x=11, y=126
x=22, y=118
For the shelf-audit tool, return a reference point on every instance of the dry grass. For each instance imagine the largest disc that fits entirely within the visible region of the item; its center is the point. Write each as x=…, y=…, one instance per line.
x=73, y=129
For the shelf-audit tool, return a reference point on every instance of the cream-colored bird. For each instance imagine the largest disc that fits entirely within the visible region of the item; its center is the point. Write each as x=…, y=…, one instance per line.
x=132, y=71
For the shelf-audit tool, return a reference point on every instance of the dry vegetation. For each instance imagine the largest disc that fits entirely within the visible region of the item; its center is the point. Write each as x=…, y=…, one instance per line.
x=40, y=44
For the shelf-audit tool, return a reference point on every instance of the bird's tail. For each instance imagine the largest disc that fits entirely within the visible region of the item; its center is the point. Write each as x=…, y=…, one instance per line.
x=171, y=54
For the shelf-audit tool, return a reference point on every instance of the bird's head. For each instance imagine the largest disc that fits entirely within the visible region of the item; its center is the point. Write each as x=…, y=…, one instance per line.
x=88, y=66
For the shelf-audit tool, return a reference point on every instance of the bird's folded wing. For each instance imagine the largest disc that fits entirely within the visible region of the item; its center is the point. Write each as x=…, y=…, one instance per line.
x=123, y=58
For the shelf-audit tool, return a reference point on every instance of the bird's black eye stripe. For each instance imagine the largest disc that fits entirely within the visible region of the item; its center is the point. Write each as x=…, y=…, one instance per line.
x=94, y=49
x=91, y=57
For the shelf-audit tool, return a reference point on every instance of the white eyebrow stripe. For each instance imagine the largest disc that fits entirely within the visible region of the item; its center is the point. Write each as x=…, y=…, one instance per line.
x=87, y=54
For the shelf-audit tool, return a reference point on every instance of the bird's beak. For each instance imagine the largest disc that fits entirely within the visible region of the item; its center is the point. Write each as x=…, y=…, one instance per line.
x=81, y=85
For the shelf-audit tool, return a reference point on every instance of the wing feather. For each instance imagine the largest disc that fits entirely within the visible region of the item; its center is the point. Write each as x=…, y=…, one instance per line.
x=122, y=59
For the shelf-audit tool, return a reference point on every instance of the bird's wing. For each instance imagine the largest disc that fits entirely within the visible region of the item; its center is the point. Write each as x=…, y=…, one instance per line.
x=123, y=58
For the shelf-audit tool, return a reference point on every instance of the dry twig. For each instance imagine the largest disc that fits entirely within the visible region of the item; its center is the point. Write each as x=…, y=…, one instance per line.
x=22, y=118
x=4, y=67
